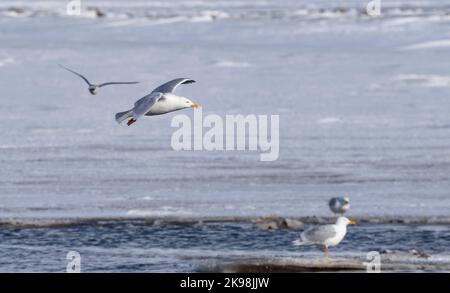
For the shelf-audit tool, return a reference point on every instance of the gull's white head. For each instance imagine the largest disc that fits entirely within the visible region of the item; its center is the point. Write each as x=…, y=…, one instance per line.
x=186, y=103
x=343, y=221
x=346, y=204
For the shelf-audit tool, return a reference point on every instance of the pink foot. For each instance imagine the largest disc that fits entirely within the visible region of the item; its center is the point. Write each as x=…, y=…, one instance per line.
x=131, y=121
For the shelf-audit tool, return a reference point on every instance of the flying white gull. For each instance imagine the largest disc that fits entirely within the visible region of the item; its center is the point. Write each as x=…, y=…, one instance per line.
x=339, y=205
x=93, y=88
x=160, y=101
x=325, y=235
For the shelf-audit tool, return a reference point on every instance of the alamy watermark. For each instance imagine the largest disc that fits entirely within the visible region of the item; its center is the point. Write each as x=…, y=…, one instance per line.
x=374, y=262
x=73, y=7
x=74, y=262
x=234, y=132
x=373, y=8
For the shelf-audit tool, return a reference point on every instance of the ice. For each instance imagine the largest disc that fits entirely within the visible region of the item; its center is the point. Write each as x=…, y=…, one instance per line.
x=6, y=61
x=329, y=120
x=210, y=15
x=164, y=211
x=429, y=45
x=232, y=64
x=424, y=80
x=359, y=115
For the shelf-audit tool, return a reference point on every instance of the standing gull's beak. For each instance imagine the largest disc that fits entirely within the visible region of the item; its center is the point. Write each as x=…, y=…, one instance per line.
x=352, y=222
x=195, y=105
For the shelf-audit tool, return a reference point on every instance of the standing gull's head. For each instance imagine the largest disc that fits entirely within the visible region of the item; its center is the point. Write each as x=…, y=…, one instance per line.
x=343, y=221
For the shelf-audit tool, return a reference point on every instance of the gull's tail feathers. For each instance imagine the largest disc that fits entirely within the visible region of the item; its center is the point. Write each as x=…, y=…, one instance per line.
x=123, y=116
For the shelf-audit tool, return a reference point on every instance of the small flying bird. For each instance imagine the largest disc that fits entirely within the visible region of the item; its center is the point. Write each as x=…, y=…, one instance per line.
x=93, y=88
x=339, y=205
x=160, y=101
x=325, y=235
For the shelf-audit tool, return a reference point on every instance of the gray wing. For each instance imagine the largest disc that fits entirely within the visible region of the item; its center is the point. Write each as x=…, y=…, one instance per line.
x=143, y=105
x=333, y=202
x=76, y=73
x=320, y=233
x=118, y=82
x=170, y=86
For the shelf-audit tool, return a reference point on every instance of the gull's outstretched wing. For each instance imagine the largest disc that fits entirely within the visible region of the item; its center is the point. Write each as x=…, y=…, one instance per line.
x=118, y=82
x=170, y=86
x=143, y=105
x=76, y=73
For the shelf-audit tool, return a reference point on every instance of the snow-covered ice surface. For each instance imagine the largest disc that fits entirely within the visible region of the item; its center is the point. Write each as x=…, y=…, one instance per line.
x=363, y=102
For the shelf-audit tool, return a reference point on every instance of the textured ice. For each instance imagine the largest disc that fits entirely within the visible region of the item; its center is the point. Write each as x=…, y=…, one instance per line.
x=63, y=155
x=429, y=45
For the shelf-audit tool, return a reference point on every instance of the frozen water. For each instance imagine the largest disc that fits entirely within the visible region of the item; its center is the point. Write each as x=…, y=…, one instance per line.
x=363, y=105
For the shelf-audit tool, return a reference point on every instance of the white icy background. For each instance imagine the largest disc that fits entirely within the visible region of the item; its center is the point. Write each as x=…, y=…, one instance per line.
x=363, y=102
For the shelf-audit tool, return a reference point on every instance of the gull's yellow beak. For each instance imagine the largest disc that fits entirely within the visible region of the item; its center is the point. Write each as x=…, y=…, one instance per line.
x=195, y=105
x=352, y=222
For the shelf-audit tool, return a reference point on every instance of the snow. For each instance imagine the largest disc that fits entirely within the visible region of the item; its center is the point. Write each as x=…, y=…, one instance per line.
x=315, y=64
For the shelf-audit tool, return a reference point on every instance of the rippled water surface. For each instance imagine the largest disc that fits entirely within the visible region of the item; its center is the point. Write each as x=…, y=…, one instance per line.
x=139, y=246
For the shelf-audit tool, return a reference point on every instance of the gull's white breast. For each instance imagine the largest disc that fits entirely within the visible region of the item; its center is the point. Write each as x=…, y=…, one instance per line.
x=169, y=103
x=341, y=230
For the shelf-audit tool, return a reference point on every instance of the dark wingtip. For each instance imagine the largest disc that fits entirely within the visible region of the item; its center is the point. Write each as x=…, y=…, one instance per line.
x=63, y=67
x=188, y=81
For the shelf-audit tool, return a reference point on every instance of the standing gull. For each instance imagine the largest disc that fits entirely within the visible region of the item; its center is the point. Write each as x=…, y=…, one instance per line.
x=94, y=87
x=325, y=235
x=339, y=205
x=160, y=101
